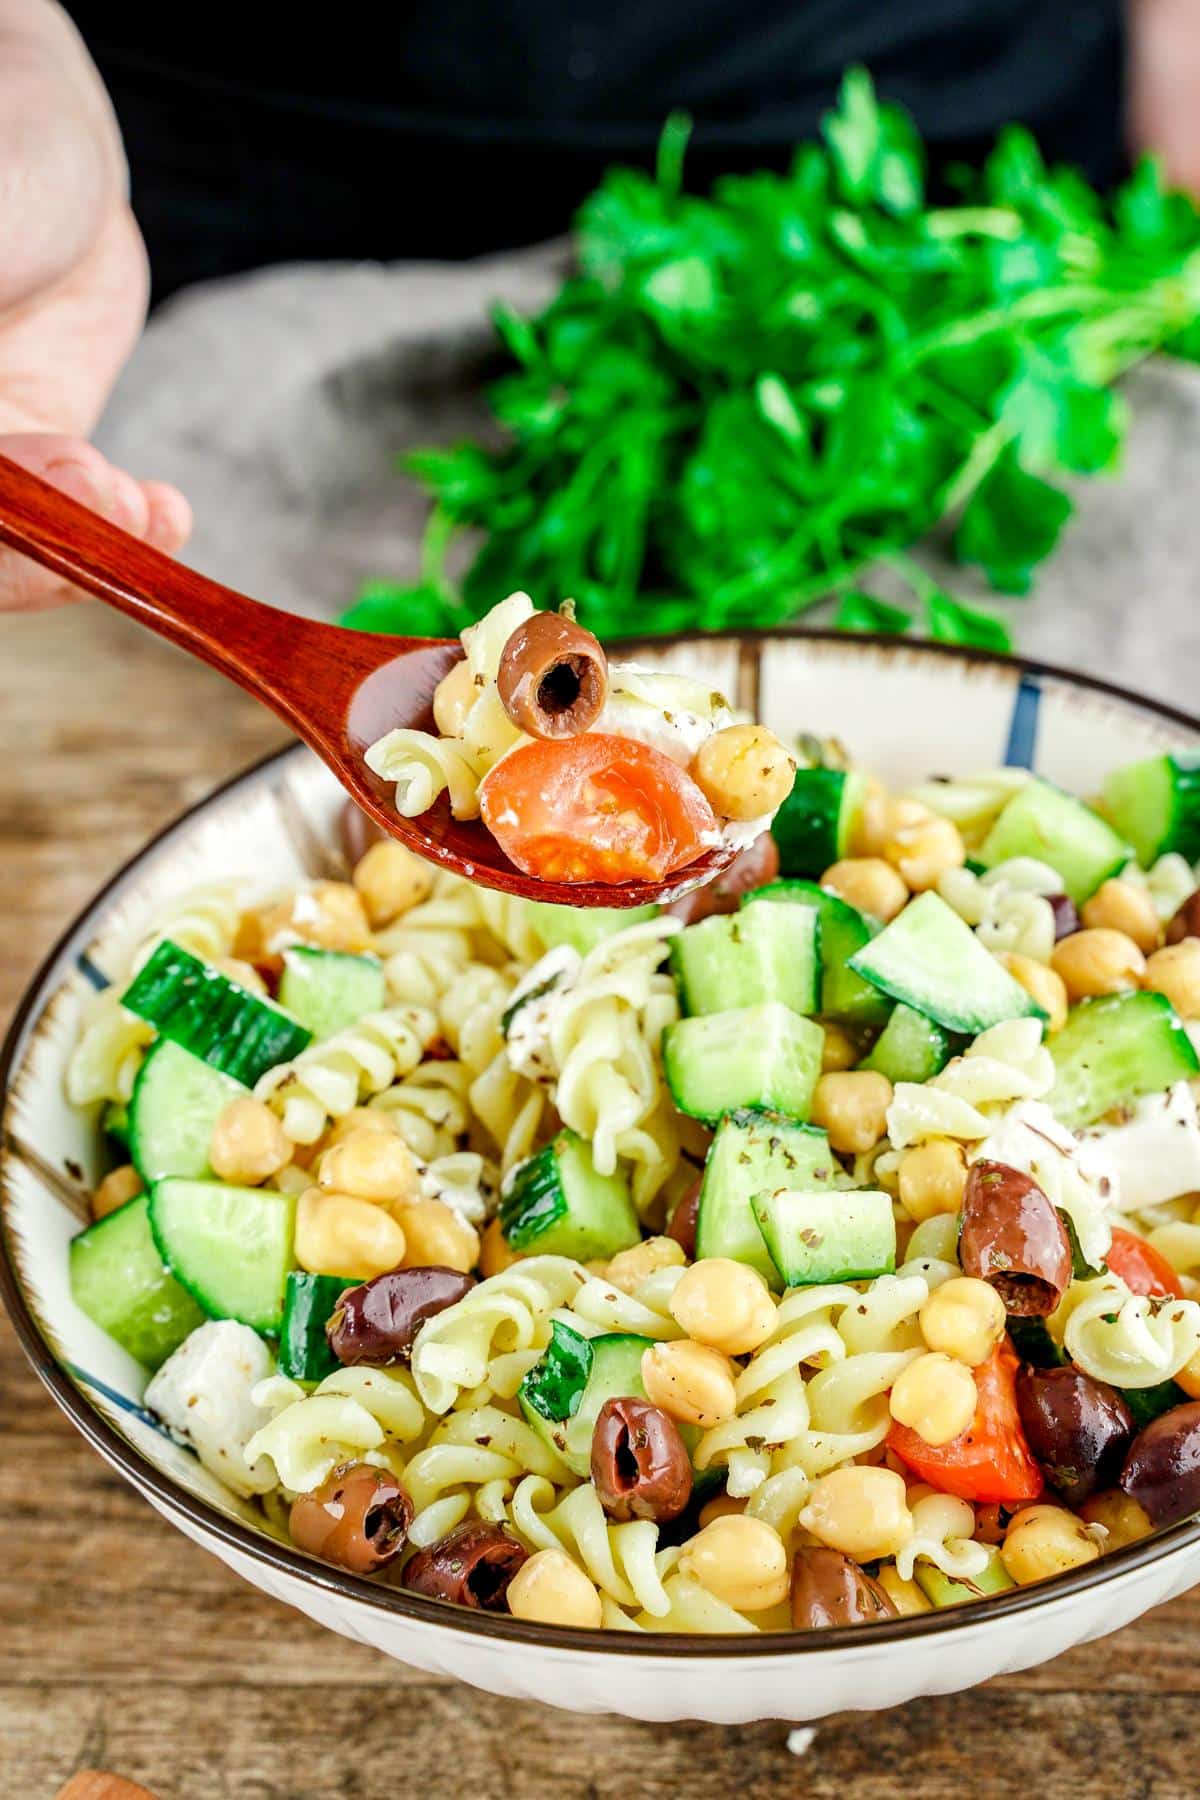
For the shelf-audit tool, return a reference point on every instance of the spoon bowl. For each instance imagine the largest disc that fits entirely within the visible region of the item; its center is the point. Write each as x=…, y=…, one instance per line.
x=339, y=690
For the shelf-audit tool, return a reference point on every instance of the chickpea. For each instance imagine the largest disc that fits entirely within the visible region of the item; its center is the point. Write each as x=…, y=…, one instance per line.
x=905, y=1596
x=860, y=1511
x=740, y=1561
x=838, y=1051
x=1121, y=1516
x=328, y=914
x=922, y=852
x=371, y=1165
x=1175, y=972
x=119, y=1186
x=1041, y=983
x=494, y=1253
x=932, y=1177
x=852, y=1107
x=721, y=1506
x=359, y=1118
x=390, y=880
x=964, y=1318
x=1097, y=962
x=870, y=830
x=292, y=1179
x=692, y=1382
x=629, y=1267
x=1044, y=1541
x=337, y=1234
x=435, y=1234
x=555, y=1591
x=935, y=1396
x=870, y=884
x=1120, y=906
x=744, y=771
x=249, y=1144
x=453, y=698
x=724, y=1304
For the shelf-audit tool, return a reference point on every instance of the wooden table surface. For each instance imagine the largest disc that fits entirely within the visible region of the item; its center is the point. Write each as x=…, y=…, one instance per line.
x=123, y=1646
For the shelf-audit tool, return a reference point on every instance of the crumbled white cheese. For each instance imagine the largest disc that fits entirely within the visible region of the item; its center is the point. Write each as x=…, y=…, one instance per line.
x=1154, y=1156
x=528, y=1035
x=202, y=1394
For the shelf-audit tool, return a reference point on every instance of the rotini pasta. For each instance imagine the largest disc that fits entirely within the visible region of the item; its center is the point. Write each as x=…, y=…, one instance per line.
x=330, y=1078
x=1127, y=1339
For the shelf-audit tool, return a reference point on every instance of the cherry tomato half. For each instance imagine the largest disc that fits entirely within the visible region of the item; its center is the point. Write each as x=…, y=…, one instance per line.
x=1142, y=1268
x=595, y=808
x=990, y=1461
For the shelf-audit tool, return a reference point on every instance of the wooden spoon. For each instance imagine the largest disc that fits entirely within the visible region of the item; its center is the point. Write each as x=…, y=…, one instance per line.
x=338, y=690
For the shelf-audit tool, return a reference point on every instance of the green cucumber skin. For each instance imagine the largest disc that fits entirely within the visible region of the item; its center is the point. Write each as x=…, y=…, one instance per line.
x=1114, y=1049
x=943, y=1590
x=213, y=1272
x=114, y=1123
x=751, y=1152
x=1157, y=822
x=929, y=959
x=910, y=1047
x=812, y=828
x=842, y=931
x=309, y=1300
x=327, y=990
x=776, y=1062
x=176, y=1101
x=541, y=1212
x=554, y=1386
x=203, y=1012
x=1054, y=827
x=119, y=1280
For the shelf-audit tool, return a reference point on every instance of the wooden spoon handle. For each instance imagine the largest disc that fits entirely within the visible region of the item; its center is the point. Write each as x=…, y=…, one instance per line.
x=93, y=1784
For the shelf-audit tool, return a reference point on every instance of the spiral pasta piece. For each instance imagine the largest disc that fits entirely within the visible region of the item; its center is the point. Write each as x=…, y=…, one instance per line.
x=1130, y=1340
x=332, y=1077
x=508, y=1312
x=943, y=1534
x=1004, y=1064
x=422, y=767
x=351, y=1413
x=620, y=1559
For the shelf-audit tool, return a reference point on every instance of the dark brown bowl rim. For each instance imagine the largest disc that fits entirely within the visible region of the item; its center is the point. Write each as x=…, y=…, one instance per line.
x=287, y=1561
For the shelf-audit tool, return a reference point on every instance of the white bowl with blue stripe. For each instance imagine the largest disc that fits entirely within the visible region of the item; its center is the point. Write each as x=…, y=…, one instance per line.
x=906, y=710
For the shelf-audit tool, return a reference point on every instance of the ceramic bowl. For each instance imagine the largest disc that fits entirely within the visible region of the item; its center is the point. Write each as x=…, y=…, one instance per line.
x=907, y=710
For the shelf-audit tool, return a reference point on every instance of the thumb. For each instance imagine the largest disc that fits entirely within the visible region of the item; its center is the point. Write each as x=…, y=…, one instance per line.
x=147, y=509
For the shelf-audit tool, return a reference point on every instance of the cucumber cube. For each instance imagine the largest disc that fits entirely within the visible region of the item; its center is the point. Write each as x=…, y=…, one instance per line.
x=326, y=990
x=819, y=1235
x=932, y=961
x=1114, y=1049
x=765, y=952
x=945, y=1590
x=764, y=1056
x=119, y=1281
x=1043, y=822
x=754, y=1152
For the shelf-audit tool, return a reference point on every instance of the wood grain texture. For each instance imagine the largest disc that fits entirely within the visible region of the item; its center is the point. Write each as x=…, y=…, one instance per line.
x=124, y=1647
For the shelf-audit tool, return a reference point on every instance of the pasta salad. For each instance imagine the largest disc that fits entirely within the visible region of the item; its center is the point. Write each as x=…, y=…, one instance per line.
x=823, y=1249
x=584, y=771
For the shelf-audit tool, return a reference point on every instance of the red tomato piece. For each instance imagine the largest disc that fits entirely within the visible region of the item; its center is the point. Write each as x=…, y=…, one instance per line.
x=1142, y=1268
x=991, y=1461
x=595, y=808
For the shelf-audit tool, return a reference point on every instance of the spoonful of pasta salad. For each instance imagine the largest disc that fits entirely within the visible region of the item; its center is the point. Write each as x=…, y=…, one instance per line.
x=518, y=757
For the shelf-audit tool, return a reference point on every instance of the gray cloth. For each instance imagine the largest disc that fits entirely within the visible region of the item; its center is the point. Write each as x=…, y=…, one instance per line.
x=278, y=400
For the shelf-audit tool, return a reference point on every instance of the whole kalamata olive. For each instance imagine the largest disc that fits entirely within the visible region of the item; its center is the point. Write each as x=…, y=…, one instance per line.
x=682, y=1223
x=377, y=1322
x=751, y=868
x=1012, y=1238
x=472, y=1565
x=358, y=832
x=553, y=677
x=829, y=1588
x=1078, y=1428
x=1066, y=915
x=640, y=1466
x=1162, y=1469
x=358, y=1518
x=1186, y=922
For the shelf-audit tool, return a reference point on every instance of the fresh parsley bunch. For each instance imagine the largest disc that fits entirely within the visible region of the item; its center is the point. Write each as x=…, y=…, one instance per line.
x=742, y=403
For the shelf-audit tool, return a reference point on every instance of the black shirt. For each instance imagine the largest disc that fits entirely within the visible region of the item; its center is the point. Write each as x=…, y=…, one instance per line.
x=452, y=128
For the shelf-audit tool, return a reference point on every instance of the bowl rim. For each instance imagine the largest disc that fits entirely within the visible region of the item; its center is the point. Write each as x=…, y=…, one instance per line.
x=207, y=1520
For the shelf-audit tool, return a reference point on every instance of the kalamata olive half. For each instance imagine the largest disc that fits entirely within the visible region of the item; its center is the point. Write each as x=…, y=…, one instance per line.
x=553, y=677
x=358, y=1518
x=682, y=1224
x=472, y=1565
x=1162, y=1469
x=829, y=1588
x=640, y=1466
x=377, y=1322
x=1066, y=915
x=1012, y=1238
x=1077, y=1427
x=751, y=868
x=1186, y=922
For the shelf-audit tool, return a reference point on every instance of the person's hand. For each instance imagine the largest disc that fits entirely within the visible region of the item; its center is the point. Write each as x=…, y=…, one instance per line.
x=73, y=285
x=1164, y=86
